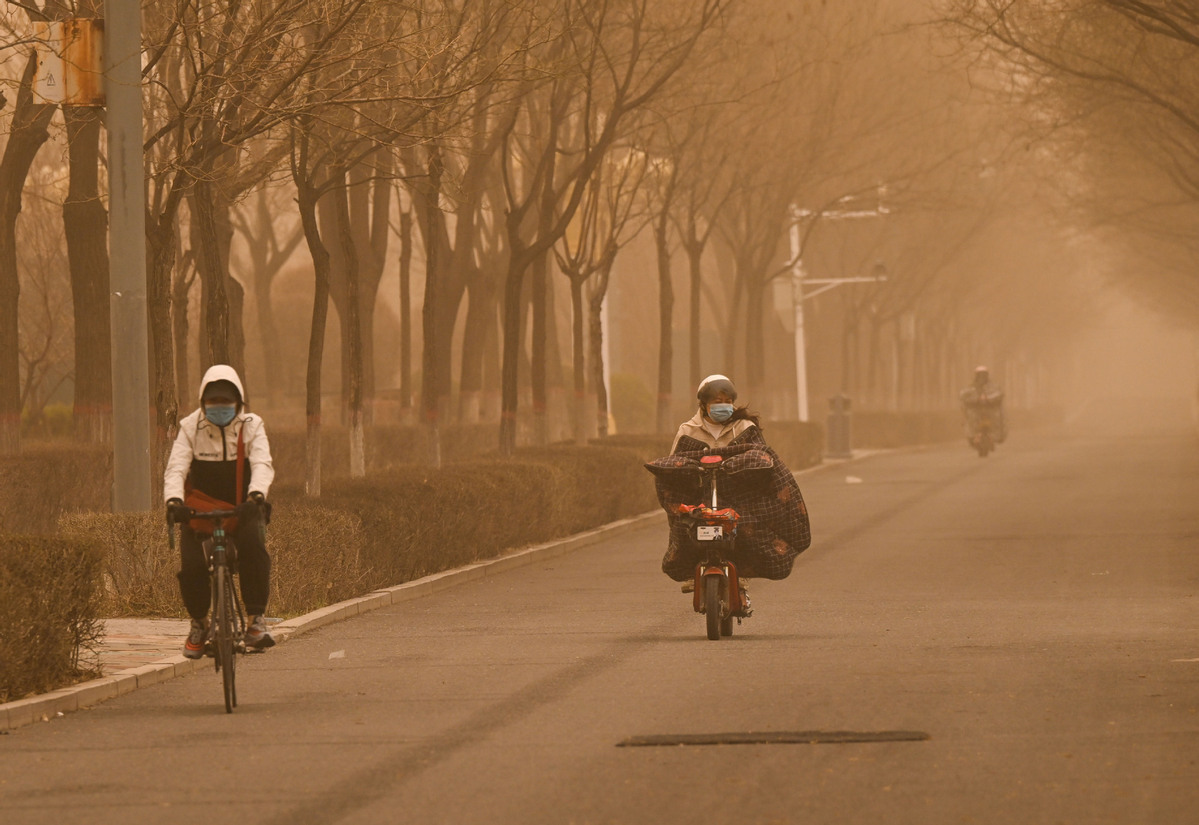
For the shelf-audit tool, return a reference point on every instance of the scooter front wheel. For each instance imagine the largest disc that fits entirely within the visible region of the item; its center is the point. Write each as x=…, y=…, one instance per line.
x=712, y=605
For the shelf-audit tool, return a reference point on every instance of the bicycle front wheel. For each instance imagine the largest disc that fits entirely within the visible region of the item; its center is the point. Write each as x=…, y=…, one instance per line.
x=712, y=605
x=223, y=635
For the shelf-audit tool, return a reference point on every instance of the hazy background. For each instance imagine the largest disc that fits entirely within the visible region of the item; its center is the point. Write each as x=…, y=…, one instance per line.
x=1020, y=188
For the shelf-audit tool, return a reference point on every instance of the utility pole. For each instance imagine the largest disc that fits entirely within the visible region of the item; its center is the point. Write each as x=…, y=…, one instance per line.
x=799, y=280
x=127, y=253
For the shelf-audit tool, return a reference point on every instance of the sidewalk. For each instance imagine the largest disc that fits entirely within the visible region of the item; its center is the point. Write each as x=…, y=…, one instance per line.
x=133, y=643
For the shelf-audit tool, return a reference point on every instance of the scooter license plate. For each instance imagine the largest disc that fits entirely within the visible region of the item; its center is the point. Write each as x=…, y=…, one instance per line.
x=709, y=532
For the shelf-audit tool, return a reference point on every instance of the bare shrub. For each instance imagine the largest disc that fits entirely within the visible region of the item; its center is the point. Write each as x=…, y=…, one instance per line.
x=316, y=558
x=49, y=613
x=416, y=520
x=316, y=554
x=138, y=565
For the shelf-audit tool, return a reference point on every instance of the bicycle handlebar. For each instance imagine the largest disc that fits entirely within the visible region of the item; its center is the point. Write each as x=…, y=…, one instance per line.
x=184, y=514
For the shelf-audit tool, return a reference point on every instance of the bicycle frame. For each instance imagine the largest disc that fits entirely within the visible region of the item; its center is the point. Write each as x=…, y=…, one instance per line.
x=227, y=618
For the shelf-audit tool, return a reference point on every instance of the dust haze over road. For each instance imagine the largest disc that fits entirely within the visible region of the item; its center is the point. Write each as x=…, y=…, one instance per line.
x=1034, y=613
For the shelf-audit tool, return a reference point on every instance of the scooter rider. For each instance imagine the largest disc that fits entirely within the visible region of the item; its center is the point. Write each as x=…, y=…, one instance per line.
x=774, y=527
x=983, y=396
x=204, y=466
x=717, y=422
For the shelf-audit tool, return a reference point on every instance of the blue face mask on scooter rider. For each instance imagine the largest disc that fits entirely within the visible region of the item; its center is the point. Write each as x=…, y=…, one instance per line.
x=221, y=414
x=720, y=413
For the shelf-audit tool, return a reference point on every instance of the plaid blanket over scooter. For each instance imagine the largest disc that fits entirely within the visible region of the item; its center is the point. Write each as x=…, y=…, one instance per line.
x=773, y=529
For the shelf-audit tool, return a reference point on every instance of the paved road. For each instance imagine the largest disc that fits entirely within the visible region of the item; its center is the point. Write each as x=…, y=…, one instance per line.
x=1035, y=614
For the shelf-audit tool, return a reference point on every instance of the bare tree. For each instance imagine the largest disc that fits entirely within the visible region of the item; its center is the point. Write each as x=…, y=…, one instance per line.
x=268, y=251
x=1108, y=91
x=28, y=131
x=46, y=318
x=607, y=220
x=613, y=59
x=218, y=76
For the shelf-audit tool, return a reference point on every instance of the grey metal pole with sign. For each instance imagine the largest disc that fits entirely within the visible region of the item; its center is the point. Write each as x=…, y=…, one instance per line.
x=127, y=255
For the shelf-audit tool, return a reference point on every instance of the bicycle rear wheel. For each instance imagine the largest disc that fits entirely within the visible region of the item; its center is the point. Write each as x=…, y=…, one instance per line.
x=223, y=636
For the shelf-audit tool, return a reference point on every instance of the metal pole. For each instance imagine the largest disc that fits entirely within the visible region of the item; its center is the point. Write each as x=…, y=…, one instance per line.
x=127, y=256
x=801, y=358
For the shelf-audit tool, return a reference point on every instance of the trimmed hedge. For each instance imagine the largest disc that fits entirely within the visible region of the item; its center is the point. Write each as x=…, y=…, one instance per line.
x=50, y=620
x=387, y=446
x=416, y=520
x=799, y=444
x=315, y=553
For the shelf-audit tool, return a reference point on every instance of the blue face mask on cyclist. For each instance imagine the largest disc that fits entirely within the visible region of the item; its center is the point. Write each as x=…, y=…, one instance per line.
x=720, y=413
x=221, y=414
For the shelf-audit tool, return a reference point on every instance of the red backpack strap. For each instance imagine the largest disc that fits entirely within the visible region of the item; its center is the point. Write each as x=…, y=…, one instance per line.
x=241, y=464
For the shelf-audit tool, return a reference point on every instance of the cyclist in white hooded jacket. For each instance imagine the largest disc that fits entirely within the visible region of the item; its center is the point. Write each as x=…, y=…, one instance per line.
x=204, y=460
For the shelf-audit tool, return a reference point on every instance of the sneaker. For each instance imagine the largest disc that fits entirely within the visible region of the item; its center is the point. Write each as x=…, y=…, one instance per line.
x=257, y=636
x=193, y=648
x=747, y=609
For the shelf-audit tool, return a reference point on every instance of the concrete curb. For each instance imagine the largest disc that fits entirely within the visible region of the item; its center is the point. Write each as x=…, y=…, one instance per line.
x=47, y=706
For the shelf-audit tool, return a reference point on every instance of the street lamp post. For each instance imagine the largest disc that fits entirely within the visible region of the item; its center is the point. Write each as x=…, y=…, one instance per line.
x=127, y=253
x=799, y=280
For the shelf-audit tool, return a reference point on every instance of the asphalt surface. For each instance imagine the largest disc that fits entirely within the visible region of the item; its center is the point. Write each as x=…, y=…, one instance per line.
x=1010, y=639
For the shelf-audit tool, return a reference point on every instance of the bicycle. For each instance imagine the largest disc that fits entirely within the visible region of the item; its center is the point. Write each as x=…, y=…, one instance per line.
x=227, y=618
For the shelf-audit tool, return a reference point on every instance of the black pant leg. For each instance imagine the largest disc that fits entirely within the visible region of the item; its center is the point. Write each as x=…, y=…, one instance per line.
x=253, y=565
x=193, y=575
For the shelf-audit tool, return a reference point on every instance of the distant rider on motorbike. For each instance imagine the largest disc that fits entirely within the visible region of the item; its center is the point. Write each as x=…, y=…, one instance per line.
x=981, y=398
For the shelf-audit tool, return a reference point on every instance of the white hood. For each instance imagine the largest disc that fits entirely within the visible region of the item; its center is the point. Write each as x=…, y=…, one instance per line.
x=222, y=372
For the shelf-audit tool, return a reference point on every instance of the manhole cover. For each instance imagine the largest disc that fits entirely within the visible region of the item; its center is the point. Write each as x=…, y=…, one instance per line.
x=802, y=737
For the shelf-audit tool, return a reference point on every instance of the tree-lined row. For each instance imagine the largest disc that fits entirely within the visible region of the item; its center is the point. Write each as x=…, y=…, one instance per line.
x=496, y=144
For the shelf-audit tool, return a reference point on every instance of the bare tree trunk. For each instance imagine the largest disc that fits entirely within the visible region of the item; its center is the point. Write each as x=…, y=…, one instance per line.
x=491, y=404
x=237, y=329
x=406, y=314
x=596, y=336
x=27, y=134
x=268, y=333
x=224, y=297
x=160, y=242
x=307, y=197
x=755, y=338
x=695, y=253
x=180, y=289
x=540, y=275
x=665, y=326
x=478, y=332
x=208, y=263
x=354, y=338
x=577, y=359
x=510, y=370
x=430, y=380
x=86, y=224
